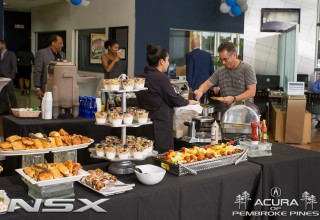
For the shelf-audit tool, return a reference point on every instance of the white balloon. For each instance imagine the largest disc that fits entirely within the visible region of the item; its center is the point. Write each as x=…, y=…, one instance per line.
x=244, y=8
x=232, y=15
x=224, y=8
x=241, y=2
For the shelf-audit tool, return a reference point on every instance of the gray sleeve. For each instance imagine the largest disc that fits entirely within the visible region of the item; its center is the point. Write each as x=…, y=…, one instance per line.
x=214, y=79
x=250, y=75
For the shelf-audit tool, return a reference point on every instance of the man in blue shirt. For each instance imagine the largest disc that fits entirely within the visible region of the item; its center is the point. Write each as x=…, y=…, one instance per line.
x=199, y=66
x=316, y=89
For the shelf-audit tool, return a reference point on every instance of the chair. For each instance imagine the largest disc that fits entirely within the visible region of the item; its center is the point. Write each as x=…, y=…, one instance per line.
x=261, y=100
x=313, y=103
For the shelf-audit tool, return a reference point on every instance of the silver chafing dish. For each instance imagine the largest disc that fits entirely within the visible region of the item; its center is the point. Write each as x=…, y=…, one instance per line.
x=199, y=129
x=237, y=119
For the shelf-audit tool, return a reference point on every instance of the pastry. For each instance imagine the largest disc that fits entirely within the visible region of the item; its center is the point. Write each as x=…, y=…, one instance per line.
x=76, y=139
x=18, y=145
x=76, y=168
x=27, y=141
x=38, y=143
x=30, y=172
x=30, y=147
x=69, y=165
x=13, y=138
x=5, y=145
x=63, y=132
x=84, y=139
x=53, y=142
x=45, y=175
x=45, y=144
x=58, y=141
x=55, y=172
x=66, y=140
x=63, y=169
x=54, y=134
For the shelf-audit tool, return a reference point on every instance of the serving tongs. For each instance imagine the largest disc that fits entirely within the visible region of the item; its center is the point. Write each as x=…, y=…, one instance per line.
x=46, y=168
x=193, y=172
x=241, y=157
x=44, y=138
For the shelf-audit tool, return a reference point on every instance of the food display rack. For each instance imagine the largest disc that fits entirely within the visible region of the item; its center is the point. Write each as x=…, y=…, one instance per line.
x=60, y=154
x=181, y=170
x=123, y=166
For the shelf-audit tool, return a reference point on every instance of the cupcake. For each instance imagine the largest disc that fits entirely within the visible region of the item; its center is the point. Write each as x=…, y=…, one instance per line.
x=99, y=150
x=123, y=153
x=101, y=117
x=136, y=112
x=114, y=84
x=116, y=119
x=137, y=152
x=106, y=84
x=127, y=118
x=128, y=84
x=139, y=83
x=110, y=152
x=142, y=117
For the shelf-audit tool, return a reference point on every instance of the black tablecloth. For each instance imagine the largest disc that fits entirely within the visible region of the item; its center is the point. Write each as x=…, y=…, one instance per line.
x=209, y=195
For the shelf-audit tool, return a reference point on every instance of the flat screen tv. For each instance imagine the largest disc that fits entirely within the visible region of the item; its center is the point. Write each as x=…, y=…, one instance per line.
x=279, y=19
x=265, y=82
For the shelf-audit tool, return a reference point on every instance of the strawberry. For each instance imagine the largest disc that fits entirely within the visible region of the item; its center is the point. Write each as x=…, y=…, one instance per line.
x=229, y=152
x=206, y=147
x=183, y=149
x=171, y=150
x=198, y=154
x=167, y=154
x=231, y=142
x=207, y=155
x=199, y=158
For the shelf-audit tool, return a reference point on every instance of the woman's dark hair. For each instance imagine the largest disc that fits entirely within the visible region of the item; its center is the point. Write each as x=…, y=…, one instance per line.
x=110, y=43
x=155, y=53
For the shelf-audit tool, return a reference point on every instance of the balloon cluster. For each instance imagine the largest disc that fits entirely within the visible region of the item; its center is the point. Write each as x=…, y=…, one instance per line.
x=233, y=7
x=79, y=2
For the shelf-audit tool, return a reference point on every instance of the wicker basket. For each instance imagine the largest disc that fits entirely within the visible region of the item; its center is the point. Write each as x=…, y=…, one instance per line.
x=25, y=114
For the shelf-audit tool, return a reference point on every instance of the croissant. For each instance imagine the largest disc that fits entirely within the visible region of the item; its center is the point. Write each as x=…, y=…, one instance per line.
x=63, y=132
x=55, y=172
x=30, y=172
x=63, y=169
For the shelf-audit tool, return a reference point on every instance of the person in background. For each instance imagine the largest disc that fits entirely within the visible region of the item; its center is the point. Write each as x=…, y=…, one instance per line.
x=315, y=88
x=160, y=98
x=25, y=60
x=199, y=66
x=8, y=69
x=111, y=60
x=236, y=80
x=43, y=58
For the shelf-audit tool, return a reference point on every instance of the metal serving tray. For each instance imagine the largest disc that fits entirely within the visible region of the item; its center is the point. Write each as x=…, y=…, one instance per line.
x=199, y=166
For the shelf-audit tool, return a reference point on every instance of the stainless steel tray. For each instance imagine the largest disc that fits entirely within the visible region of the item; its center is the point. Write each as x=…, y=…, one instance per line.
x=199, y=166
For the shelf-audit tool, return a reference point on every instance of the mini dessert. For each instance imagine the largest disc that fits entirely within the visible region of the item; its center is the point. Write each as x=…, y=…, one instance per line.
x=114, y=84
x=137, y=152
x=106, y=84
x=128, y=84
x=143, y=117
x=110, y=152
x=99, y=150
x=139, y=83
x=136, y=112
x=101, y=117
x=116, y=119
x=123, y=153
x=127, y=118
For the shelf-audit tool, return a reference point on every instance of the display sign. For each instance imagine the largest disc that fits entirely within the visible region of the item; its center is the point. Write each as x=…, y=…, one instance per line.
x=295, y=88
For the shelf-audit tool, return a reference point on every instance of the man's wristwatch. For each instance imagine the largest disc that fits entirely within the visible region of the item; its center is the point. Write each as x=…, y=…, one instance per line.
x=234, y=99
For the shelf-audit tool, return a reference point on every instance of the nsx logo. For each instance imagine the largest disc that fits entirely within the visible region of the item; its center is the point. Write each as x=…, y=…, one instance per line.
x=56, y=205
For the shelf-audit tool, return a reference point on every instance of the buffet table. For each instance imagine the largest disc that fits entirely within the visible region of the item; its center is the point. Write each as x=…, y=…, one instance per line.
x=209, y=195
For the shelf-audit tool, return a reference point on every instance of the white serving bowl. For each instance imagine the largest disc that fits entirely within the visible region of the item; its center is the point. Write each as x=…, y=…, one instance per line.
x=150, y=175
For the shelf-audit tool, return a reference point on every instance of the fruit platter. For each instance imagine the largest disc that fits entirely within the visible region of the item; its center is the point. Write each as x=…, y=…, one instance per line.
x=196, y=159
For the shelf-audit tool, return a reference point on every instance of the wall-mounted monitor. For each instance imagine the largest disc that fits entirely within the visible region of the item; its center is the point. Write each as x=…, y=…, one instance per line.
x=268, y=82
x=279, y=19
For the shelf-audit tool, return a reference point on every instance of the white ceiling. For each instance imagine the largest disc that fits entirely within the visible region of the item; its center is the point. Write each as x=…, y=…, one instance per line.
x=26, y=5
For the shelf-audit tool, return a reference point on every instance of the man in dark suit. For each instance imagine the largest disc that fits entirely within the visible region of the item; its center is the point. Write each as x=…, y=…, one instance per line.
x=8, y=69
x=199, y=66
x=42, y=60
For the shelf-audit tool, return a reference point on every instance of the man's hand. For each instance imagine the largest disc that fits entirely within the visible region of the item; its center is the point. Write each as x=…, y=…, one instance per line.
x=198, y=93
x=193, y=102
x=39, y=94
x=228, y=100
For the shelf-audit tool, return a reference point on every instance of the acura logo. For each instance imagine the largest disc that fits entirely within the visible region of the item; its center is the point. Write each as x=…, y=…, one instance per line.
x=275, y=192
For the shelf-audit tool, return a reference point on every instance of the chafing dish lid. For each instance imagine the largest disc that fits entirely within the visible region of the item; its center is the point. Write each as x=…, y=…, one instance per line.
x=203, y=119
x=242, y=113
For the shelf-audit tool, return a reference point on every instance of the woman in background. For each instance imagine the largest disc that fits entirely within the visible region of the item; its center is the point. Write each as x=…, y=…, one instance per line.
x=160, y=98
x=25, y=60
x=111, y=60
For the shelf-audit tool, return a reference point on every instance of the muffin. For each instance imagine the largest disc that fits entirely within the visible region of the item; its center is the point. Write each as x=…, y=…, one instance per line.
x=123, y=153
x=137, y=152
x=139, y=83
x=106, y=84
x=142, y=117
x=128, y=84
x=114, y=84
x=101, y=117
x=110, y=152
x=116, y=119
x=99, y=150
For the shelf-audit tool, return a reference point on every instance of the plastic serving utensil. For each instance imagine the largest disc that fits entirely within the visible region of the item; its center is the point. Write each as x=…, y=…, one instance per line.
x=193, y=172
x=241, y=157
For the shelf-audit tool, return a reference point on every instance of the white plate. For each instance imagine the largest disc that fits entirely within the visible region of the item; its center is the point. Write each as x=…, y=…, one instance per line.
x=94, y=155
x=45, y=150
x=81, y=174
x=111, y=191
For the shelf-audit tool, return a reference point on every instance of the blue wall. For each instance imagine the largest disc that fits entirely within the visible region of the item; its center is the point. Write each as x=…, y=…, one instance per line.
x=154, y=18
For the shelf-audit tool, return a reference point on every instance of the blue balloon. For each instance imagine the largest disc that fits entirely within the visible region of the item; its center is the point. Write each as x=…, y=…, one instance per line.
x=236, y=10
x=231, y=2
x=76, y=2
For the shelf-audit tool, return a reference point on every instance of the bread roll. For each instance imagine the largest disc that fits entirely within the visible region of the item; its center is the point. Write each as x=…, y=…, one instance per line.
x=13, y=138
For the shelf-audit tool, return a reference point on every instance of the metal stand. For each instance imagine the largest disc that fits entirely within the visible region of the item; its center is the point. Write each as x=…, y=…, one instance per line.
x=122, y=167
